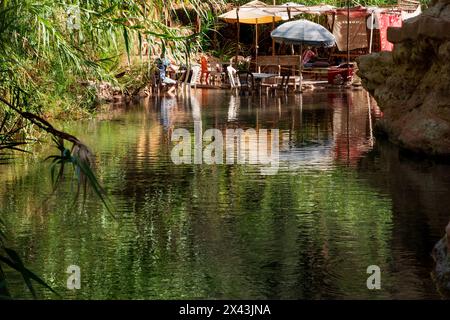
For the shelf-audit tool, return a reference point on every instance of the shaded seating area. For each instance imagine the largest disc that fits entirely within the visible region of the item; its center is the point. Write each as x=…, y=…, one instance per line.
x=282, y=65
x=349, y=33
x=319, y=51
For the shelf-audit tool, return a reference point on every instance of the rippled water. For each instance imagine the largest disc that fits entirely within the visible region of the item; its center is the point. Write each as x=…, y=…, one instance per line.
x=337, y=205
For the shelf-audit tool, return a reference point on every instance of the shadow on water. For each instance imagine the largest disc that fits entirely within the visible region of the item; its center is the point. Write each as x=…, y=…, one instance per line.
x=418, y=189
x=337, y=205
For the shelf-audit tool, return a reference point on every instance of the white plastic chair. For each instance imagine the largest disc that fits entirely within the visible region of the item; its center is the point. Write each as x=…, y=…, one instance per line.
x=195, y=75
x=232, y=75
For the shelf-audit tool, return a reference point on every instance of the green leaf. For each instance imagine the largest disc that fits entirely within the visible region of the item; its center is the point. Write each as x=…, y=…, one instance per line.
x=127, y=44
x=16, y=263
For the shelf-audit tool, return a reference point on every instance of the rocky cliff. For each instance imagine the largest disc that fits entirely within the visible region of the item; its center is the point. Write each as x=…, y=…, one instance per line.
x=412, y=83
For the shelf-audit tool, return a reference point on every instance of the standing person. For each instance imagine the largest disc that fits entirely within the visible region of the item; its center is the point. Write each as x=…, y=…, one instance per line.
x=204, y=69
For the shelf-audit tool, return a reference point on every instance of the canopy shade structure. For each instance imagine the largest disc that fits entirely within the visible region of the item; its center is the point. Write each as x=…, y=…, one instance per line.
x=318, y=10
x=255, y=16
x=290, y=9
x=286, y=11
x=250, y=13
x=303, y=32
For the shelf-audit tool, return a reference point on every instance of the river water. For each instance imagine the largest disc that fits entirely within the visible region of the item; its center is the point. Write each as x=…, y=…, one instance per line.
x=338, y=203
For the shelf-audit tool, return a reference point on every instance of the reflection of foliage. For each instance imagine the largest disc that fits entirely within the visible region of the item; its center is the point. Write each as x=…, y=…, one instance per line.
x=42, y=61
x=9, y=131
x=81, y=161
x=10, y=258
x=222, y=231
x=80, y=157
x=10, y=140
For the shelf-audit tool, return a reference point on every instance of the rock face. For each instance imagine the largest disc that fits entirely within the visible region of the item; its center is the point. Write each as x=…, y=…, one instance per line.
x=412, y=83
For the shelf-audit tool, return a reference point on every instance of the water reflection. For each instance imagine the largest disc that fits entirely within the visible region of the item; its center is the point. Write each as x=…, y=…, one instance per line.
x=312, y=135
x=335, y=207
x=233, y=108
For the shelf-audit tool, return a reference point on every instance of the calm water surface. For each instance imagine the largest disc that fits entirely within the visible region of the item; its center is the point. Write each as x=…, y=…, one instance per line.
x=338, y=204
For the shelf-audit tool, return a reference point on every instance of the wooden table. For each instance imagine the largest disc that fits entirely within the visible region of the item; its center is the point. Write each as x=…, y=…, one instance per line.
x=259, y=77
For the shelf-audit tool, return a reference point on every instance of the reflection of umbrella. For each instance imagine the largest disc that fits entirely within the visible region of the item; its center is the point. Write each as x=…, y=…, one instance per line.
x=250, y=13
x=318, y=156
x=303, y=32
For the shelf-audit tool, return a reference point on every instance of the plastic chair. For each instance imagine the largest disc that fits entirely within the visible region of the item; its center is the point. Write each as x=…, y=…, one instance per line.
x=234, y=81
x=195, y=75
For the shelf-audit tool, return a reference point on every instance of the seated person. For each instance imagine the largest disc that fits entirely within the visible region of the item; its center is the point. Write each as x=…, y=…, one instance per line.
x=308, y=56
x=163, y=64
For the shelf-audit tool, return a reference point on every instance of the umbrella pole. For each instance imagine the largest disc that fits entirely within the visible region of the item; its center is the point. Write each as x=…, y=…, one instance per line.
x=256, y=45
x=273, y=41
x=348, y=32
x=289, y=17
x=238, y=35
x=301, y=67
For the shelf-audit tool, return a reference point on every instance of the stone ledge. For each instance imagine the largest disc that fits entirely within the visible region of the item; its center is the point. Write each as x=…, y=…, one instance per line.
x=425, y=27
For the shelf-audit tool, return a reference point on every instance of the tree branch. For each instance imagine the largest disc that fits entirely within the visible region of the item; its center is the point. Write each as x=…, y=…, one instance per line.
x=43, y=124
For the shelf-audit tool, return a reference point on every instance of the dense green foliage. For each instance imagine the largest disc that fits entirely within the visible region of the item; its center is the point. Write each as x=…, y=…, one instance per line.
x=50, y=50
x=44, y=52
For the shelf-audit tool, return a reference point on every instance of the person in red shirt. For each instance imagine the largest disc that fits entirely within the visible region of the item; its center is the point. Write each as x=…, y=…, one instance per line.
x=204, y=69
x=308, y=55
